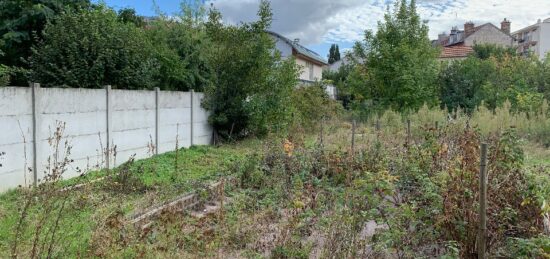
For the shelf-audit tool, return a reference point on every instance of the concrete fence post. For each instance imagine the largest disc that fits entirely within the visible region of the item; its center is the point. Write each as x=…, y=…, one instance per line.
x=157, y=120
x=108, y=117
x=35, y=92
x=192, y=119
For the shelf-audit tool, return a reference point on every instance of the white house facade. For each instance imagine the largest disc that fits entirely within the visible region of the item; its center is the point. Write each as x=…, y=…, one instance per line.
x=534, y=39
x=311, y=63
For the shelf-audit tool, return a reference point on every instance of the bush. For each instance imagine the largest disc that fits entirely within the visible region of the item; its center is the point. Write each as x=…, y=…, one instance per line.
x=493, y=76
x=311, y=105
x=21, y=27
x=93, y=49
x=4, y=76
x=251, y=85
x=181, y=49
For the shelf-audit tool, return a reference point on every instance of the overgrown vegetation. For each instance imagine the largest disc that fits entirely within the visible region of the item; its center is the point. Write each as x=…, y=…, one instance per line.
x=22, y=24
x=66, y=218
x=303, y=190
x=102, y=51
x=251, y=88
x=402, y=83
x=311, y=195
x=493, y=76
x=397, y=68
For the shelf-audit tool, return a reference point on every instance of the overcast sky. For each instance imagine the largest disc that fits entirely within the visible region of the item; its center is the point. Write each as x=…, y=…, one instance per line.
x=319, y=23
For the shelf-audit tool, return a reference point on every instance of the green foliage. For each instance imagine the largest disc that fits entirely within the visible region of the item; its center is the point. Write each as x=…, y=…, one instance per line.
x=21, y=26
x=181, y=49
x=92, y=49
x=251, y=85
x=128, y=15
x=4, y=73
x=492, y=76
x=537, y=247
x=400, y=62
x=312, y=105
x=334, y=54
x=485, y=51
x=341, y=79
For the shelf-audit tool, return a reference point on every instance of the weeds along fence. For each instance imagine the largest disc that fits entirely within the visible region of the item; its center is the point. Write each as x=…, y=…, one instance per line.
x=103, y=127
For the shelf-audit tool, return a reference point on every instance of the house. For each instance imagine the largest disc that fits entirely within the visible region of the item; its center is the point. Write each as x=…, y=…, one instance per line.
x=312, y=64
x=457, y=52
x=458, y=44
x=534, y=39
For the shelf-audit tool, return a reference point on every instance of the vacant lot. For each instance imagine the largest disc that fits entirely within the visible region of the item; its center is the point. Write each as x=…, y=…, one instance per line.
x=385, y=192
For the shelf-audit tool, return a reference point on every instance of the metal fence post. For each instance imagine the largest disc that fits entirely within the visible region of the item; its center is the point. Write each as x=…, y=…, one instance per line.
x=408, y=129
x=482, y=203
x=353, y=125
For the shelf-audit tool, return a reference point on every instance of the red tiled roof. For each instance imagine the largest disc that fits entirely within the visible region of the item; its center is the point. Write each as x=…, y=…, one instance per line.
x=456, y=52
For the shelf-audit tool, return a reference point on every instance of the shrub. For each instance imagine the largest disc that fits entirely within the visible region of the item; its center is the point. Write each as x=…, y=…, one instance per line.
x=4, y=76
x=92, y=49
x=181, y=49
x=251, y=85
x=312, y=105
x=493, y=76
x=22, y=26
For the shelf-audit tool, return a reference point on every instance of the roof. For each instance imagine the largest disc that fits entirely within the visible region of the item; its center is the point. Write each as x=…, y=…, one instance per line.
x=459, y=51
x=463, y=37
x=298, y=48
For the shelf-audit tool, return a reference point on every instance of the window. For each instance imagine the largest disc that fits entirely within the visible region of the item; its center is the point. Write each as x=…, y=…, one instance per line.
x=309, y=66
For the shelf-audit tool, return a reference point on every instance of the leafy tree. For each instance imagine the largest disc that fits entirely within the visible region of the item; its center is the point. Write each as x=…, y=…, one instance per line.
x=493, y=75
x=485, y=51
x=251, y=87
x=91, y=49
x=181, y=48
x=461, y=83
x=21, y=26
x=545, y=87
x=4, y=74
x=340, y=79
x=334, y=54
x=128, y=15
x=401, y=63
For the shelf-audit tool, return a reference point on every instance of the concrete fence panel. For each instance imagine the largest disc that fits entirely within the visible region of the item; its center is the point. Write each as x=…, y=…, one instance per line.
x=133, y=128
x=97, y=124
x=80, y=114
x=16, y=138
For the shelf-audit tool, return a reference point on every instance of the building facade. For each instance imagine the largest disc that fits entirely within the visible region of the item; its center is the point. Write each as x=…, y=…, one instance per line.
x=458, y=44
x=534, y=39
x=311, y=63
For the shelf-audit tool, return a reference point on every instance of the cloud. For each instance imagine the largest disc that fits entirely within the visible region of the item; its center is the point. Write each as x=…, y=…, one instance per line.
x=331, y=21
x=308, y=20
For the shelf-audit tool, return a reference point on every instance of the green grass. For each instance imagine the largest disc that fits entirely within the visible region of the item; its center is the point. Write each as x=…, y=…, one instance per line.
x=536, y=155
x=87, y=207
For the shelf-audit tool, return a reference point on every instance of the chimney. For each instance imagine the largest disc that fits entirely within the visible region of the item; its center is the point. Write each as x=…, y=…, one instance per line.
x=454, y=30
x=441, y=37
x=468, y=29
x=505, y=26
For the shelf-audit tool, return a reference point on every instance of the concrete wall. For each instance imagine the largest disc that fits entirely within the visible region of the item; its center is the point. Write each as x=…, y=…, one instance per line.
x=140, y=123
x=489, y=35
x=544, y=39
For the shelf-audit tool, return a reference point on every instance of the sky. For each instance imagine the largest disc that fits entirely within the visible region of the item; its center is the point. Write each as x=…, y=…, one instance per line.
x=320, y=23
